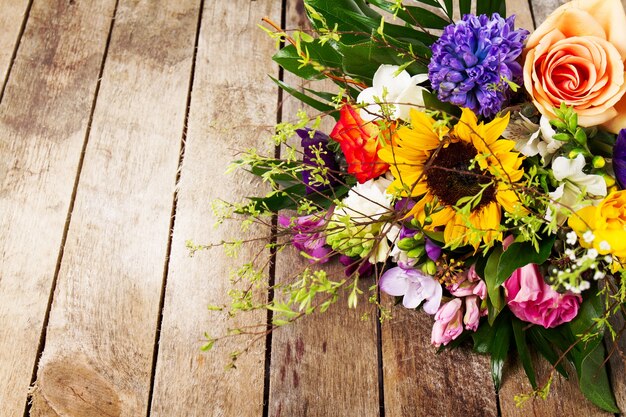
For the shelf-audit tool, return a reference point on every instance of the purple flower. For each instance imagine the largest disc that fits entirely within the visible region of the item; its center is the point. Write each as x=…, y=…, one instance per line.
x=414, y=286
x=360, y=265
x=432, y=250
x=619, y=159
x=308, y=235
x=473, y=59
x=313, y=146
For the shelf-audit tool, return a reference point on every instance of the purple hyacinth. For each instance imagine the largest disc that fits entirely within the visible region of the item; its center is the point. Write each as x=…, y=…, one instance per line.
x=308, y=235
x=473, y=60
x=619, y=159
x=310, y=146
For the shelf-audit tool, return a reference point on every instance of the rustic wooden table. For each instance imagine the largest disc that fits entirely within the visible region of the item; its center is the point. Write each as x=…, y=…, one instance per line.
x=118, y=119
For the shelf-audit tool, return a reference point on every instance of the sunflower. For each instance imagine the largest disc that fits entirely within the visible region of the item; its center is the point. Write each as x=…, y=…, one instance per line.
x=463, y=178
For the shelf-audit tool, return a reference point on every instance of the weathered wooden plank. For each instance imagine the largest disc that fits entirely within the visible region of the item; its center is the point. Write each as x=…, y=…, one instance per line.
x=542, y=8
x=100, y=338
x=233, y=103
x=43, y=120
x=12, y=15
x=418, y=382
x=325, y=364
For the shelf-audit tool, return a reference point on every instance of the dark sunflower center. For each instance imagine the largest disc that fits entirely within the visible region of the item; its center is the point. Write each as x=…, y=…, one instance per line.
x=450, y=178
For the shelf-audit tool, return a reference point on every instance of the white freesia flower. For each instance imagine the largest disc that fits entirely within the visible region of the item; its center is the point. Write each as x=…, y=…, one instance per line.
x=532, y=139
x=392, y=88
x=365, y=203
x=574, y=184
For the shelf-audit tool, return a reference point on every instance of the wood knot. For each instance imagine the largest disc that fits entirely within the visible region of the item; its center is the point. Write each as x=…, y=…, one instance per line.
x=70, y=387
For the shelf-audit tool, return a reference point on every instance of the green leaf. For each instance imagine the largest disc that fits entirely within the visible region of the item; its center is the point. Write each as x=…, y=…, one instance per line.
x=413, y=15
x=316, y=104
x=520, y=254
x=489, y=7
x=523, y=352
x=290, y=60
x=546, y=349
x=594, y=380
x=432, y=102
x=325, y=55
x=361, y=60
x=493, y=288
x=499, y=351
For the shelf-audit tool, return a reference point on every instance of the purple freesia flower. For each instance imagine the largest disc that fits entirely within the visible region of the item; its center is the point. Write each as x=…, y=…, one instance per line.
x=619, y=159
x=364, y=267
x=473, y=59
x=308, y=235
x=414, y=286
x=312, y=146
x=432, y=249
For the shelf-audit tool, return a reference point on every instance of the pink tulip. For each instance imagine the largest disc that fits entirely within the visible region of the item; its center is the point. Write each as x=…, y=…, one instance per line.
x=448, y=323
x=532, y=300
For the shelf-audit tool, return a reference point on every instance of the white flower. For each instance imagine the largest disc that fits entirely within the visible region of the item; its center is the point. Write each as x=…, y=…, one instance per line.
x=391, y=88
x=588, y=236
x=366, y=202
x=605, y=246
x=571, y=238
x=570, y=254
x=532, y=139
x=574, y=184
x=608, y=259
x=414, y=286
x=598, y=275
x=592, y=253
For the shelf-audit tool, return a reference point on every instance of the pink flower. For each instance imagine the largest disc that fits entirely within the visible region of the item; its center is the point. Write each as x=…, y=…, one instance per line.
x=472, y=312
x=448, y=323
x=534, y=301
x=415, y=286
x=469, y=283
x=308, y=235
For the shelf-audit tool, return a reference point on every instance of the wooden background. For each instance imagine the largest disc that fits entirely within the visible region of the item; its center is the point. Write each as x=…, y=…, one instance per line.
x=118, y=119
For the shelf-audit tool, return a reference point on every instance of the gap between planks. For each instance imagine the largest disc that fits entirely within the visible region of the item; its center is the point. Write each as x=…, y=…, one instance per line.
x=166, y=265
x=68, y=220
x=274, y=238
x=16, y=48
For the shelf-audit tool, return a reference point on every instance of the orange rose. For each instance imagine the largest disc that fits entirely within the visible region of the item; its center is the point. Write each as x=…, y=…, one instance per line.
x=577, y=57
x=360, y=144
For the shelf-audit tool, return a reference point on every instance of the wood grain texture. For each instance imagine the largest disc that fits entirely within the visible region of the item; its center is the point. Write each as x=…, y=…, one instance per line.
x=97, y=359
x=420, y=382
x=43, y=120
x=233, y=108
x=12, y=15
x=325, y=364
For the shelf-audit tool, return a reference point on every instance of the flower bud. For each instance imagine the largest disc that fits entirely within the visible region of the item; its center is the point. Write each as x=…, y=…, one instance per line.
x=417, y=252
x=598, y=162
x=407, y=243
x=429, y=267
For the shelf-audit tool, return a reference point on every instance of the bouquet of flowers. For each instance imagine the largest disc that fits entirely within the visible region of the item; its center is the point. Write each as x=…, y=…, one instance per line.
x=474, y=170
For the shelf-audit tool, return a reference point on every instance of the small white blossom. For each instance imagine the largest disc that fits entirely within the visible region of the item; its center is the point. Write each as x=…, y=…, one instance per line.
x=605, y=246
x=608, y=259
x=598, y=275
x=585, y=285
x=570, y=254
x=592, y=253
x=571, y=238
x=588, y=236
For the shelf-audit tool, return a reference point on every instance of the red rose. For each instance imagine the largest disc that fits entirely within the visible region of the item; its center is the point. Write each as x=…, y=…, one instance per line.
x=360, y=144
